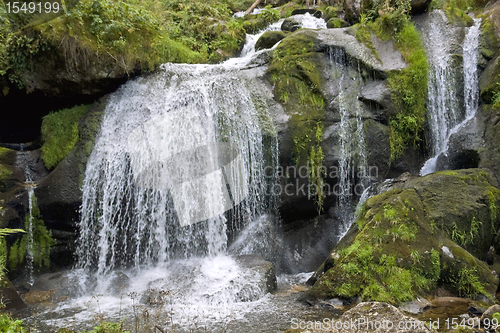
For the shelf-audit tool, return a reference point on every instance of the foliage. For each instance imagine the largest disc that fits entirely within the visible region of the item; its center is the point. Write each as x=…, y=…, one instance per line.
x=390, y=19
x=42, y=241
x=60, y=134
x=465, y=237
x=468, y=284
x=9, y=325
x=316, y=170
x=124, y=35
x=108, y=327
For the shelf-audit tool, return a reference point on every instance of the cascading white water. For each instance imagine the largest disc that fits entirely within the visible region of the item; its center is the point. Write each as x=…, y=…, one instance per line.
x=25, y=160
x=352, y=138
x=471, y=79
x=155, y=125
x=444, y=114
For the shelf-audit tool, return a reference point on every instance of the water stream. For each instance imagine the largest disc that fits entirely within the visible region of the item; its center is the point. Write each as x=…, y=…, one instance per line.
x=447, y=111
x=352, y=157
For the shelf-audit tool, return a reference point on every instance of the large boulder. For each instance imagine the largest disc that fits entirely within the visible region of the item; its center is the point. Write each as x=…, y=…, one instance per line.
x=269, y=39
x=427, y=231
x=490, y=154
x=290, y=24
x=10, y=298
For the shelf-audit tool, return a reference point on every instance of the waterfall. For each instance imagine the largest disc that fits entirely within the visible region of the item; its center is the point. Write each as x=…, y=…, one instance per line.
x=179, y=156
x=471, y=79
x=26, y=161
x=443, y=106
x=352, y=155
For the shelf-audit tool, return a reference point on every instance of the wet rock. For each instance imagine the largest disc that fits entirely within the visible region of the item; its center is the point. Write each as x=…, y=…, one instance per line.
x=446, y=200
x=290, y=24
x=488, y=314
x=314, y=12
x=416, y=306
x=380, y=312
x=490, y=154
x=488, y=79
x=269, y=39
x=10, y=298
x=54, y=287
x=264, y=269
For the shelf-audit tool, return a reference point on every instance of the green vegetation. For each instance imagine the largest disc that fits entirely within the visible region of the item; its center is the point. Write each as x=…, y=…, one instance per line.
x=108, y=327
x=296, y=76
x=60, y=134
x=465, y=237
x=390, y=19
x=468, y=284
x=9, y=325
x=42, y=241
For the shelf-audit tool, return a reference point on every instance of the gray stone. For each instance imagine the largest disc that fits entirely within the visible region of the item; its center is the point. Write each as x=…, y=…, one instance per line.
x=416, y=306
x=314, y=12
x=10, y=298
x=488, y=314
x=391, y=58
x=378, y=96
x=290, y=24
x=375, y=311
x=264, y=269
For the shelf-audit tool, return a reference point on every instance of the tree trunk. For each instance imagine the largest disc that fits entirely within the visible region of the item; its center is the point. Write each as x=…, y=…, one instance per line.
x=252, y=7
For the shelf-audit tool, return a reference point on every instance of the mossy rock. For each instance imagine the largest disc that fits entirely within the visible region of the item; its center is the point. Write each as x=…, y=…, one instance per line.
x=398, y=252
x=489, y=79
x=490, y=155
x=290, y=24
x=269, y=39
x=336, y=23
x=488, y=40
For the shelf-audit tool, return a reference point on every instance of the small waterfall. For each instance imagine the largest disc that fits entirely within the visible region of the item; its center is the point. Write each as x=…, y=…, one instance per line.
x=29, y=231
x=471, y=79
x=25, y=161
x=180, y=156
x=352, y=155
x=444, y=111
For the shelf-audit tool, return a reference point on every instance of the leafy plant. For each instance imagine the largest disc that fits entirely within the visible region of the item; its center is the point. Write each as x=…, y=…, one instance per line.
x=9, y=325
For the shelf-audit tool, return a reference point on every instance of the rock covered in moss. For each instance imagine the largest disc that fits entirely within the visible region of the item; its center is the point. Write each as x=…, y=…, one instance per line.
x=489, y=78
x=290, y=24
x=336, y=22
x=427, y=232
x=490, y=155
x=269, y=39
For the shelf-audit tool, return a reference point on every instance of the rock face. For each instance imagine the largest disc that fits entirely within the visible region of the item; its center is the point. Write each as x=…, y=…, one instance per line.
x=434, y=229
x=269, y=39
x=10, y=298
x=290, y=24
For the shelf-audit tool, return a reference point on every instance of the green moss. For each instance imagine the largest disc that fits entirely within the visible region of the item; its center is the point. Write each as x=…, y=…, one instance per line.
x=488, y=40
x=296, y=76
x=409, y=85
x=456, y=11
x=108, y=327
x=402, y=232
x=41, y=238
x=60, y=134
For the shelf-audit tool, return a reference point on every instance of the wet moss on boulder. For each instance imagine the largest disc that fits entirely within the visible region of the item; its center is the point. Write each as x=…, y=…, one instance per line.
x=427, y=232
